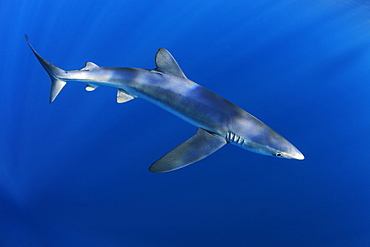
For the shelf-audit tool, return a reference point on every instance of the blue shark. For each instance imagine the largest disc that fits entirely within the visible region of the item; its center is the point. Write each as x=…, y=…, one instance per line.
x=218, y=120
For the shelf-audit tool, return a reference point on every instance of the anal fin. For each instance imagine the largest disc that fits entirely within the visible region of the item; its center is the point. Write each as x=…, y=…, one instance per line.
x=199, y=146
x=91, y=87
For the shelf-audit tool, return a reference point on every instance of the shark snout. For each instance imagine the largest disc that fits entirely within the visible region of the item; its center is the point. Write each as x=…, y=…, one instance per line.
x=293, y=153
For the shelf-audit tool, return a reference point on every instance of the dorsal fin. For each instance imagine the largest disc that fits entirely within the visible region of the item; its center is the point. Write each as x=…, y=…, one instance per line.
x=167, y=64
x=89, y=66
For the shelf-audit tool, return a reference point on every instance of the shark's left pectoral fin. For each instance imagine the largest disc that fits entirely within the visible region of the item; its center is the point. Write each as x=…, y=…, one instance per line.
x=123, y=97
x=199, y=146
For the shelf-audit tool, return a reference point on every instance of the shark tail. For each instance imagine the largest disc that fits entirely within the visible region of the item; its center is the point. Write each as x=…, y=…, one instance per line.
x=54, y=72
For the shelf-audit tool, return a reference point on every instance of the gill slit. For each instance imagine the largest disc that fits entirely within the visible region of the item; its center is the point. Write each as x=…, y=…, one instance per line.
x=233, y=138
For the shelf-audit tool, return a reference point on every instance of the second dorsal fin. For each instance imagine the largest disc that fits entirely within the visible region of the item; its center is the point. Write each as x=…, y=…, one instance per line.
x=167, y=64
x=90, y=66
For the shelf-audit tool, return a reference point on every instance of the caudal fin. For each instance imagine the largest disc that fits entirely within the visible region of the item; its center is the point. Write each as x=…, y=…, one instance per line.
x=54, y=72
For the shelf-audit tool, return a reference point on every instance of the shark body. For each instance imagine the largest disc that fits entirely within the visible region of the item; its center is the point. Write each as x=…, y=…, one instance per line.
x=219, y=121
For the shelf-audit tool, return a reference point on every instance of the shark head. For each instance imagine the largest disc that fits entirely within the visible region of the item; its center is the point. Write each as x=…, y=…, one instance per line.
x=285, y=149
x=268, y=142
x=255, y=136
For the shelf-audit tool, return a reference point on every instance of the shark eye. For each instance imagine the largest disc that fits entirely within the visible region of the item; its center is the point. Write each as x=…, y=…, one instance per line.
x=278, y=154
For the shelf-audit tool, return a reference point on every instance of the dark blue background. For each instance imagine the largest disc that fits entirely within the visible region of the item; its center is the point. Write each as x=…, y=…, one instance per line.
x=74, y=173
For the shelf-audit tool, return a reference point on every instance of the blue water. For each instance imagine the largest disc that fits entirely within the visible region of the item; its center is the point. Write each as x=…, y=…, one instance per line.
x=74, y=173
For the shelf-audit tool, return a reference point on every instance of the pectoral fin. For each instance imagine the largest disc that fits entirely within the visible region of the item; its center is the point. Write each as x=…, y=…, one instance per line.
x=199, y=146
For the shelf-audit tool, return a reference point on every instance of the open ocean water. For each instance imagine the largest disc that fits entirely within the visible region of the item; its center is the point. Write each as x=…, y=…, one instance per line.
x=75, y=172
